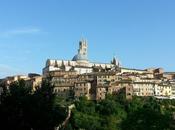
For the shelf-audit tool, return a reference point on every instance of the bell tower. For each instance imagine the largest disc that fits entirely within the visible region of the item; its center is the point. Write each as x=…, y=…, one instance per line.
x=83, y=46
x=82, y=55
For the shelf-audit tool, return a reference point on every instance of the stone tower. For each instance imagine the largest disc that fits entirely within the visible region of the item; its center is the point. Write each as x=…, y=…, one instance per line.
x=82, y=55
x=83, y=48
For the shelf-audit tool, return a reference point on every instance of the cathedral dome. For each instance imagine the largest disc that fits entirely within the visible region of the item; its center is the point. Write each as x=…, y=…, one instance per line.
x=79, y=57
x=74, y=58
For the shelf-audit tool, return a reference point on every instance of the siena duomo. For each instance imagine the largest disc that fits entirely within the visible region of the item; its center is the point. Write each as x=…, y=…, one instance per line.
x=79, y=62
x=81, y=77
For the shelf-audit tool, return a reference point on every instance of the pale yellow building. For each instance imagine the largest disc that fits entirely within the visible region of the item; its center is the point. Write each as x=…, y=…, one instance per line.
x=83, y=89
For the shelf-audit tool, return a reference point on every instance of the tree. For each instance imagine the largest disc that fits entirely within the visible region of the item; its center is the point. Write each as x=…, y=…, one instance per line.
x=12, y=107
x=83, y=105
x=44, y=113
x=144, y=114
x=85, y=121
x=107, y=107
x=104, y=115
x=23, y=109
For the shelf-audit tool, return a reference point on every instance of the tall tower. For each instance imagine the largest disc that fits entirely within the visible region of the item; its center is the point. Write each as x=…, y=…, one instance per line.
x=83, y=48
x=82, y=55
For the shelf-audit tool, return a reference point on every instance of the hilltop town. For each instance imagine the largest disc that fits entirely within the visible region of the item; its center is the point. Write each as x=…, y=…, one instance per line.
x=81, y=77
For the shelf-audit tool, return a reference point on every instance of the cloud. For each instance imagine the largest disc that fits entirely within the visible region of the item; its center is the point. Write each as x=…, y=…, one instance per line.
x=21, y=31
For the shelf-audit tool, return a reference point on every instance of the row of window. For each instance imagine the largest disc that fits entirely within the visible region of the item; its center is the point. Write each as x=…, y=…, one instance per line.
x=106, y=76
x=145, y=94
x=59, y=90
x=81, y=89
x=82, y=84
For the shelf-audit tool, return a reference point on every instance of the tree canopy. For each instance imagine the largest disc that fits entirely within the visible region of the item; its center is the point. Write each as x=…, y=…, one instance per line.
x=116, y=113
x=23, y=109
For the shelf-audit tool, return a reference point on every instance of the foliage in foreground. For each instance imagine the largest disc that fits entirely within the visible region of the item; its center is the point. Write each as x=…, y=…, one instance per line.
x=115, y=113
x=22, y=109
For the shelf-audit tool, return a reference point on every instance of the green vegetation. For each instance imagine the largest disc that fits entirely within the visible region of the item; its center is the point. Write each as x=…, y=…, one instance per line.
x=116, y=113
x=22, y=109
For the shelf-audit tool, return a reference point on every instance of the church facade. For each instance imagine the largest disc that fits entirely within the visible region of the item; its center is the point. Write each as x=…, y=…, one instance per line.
x=81, y=77
x=79, y=62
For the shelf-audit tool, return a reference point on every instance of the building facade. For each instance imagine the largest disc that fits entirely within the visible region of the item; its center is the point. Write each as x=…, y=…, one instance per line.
x=81, y=77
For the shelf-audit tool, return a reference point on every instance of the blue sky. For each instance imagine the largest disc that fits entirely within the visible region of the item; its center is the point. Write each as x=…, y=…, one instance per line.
x=141, y=33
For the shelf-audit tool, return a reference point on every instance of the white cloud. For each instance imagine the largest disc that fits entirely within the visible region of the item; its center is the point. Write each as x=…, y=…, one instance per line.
x=20, y=31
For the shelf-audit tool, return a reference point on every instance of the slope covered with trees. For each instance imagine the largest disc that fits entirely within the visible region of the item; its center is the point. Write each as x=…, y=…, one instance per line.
x=116, y=113
x=23, y=109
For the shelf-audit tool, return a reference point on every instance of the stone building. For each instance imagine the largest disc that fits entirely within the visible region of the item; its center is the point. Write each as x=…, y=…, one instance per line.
x=104, y=81
x=143, y=88
x=34, y=82
x=172, y=89
x=83, y=89
x=81, y=77
x=10, y=79
x=168, y=75
x=113, y=84
x=129, y=70
x=31, y=80
x=79, y=62
x=63, y=82
x=165, y=89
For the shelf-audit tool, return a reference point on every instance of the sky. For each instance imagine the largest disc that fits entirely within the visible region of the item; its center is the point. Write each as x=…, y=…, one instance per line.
x=140, y=33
